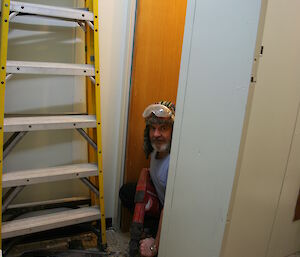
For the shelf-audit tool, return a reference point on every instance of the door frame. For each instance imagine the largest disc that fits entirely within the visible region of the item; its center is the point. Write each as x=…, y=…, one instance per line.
x=126, y=84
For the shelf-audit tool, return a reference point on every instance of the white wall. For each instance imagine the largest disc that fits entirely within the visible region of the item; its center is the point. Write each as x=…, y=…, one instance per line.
x=261, y=222
x=42, y=94
x=215, y=73
x=116, y=26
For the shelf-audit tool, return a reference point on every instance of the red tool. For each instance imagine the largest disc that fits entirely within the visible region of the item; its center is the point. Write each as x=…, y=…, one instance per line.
x=146, y=201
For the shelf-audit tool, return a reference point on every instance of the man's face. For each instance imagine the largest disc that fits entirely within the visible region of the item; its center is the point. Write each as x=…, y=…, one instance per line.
x=160, y=136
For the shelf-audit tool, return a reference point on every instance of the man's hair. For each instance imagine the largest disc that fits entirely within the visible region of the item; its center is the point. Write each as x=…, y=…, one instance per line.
x=152, y=119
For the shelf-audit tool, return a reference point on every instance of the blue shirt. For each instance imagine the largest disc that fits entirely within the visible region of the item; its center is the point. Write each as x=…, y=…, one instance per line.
x=159, y=174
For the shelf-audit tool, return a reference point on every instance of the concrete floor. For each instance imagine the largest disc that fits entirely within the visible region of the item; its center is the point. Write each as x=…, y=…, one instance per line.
x=117, y=243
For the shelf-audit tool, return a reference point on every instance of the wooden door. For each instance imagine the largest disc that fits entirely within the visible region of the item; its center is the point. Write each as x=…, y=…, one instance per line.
x=155, y=72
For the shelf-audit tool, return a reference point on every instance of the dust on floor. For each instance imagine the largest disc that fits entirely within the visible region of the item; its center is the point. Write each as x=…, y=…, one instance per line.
x=117, y=244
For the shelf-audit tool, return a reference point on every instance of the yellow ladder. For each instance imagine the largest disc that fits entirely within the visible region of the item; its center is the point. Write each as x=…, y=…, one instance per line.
x=19, y=126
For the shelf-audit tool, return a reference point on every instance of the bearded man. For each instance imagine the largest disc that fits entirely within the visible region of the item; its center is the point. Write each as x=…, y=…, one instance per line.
x=148, y=195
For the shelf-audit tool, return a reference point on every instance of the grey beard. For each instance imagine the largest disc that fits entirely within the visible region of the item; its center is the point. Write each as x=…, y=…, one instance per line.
x=162, y=148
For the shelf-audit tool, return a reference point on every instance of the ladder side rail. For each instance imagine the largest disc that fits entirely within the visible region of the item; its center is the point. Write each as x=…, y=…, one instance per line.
x=3, y=57
x=90, y=98
x=98, y=120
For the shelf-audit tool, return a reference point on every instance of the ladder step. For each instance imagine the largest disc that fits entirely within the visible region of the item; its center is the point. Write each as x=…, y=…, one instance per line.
x=51, y=11
x=49, y=68
x=56, y=202
x=29, y=177
x=49, y=221
x=16, y=124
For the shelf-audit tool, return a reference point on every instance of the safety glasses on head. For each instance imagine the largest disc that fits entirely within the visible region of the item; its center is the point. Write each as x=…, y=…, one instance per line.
x=158, y=110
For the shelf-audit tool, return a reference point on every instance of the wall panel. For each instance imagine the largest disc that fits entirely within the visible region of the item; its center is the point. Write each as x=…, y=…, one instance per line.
x=268, y=153
x=217, y=59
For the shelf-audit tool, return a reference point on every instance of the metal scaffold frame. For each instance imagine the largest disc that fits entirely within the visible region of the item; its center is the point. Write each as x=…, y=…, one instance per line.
x=88, y=20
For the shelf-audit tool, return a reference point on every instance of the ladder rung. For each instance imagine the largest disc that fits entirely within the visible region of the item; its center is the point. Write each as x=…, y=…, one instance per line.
x=49, y=68
x=51, y=11
x=49, y=221
x=18, y=124
x=29, y=177
x=61, y=201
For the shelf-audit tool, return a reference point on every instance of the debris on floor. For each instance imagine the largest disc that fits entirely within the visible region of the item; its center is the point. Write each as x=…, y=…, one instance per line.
x=117, y=246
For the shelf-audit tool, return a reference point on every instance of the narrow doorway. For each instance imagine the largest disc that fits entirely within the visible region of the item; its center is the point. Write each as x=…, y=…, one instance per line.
x=158, y=40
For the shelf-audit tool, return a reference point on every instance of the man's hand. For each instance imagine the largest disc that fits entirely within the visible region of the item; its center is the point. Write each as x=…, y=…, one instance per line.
x=145, y=247
x=145, y=170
